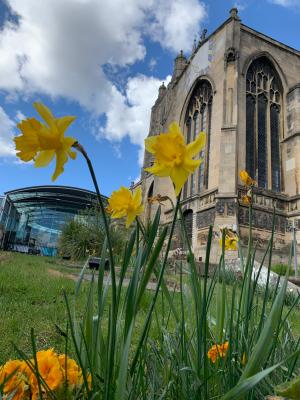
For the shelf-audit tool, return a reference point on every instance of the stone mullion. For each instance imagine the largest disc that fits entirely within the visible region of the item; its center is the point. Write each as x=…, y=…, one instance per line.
x=256, y=133
x=269, y=149
x=206, y=156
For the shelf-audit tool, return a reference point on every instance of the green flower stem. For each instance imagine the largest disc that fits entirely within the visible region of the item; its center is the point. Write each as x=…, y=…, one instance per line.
x=201, y=319
x=142, y=228
x=159, y=283
x=112, y=338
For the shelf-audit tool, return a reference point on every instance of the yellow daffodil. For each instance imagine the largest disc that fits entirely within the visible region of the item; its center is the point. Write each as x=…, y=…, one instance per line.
x=247, y=198
x=42, y=141
x=123, y=203
x=217, y=351
x=246, y=178
x=231, y=240
x=173, y=157
x=158, y=199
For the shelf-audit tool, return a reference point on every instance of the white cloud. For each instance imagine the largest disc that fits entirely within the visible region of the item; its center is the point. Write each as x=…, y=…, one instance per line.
x=286, y=3
x=19, y=116
x=6, y=135
x=152, y=63
x=240, y=5
x=59, y=47
x=129, y=114
x=176, y=22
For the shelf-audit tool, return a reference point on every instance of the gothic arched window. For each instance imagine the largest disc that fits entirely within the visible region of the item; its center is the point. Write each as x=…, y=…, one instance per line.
x=263, y=107
x=197, y=119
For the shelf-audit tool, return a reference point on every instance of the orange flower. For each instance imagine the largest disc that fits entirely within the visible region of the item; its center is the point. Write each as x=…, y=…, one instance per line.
x=71, y=370
x=49, y=369
x=17, y=383
x=217, y=351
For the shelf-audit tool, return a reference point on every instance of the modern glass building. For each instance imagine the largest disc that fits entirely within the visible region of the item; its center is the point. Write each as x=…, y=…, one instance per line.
x=31, y=219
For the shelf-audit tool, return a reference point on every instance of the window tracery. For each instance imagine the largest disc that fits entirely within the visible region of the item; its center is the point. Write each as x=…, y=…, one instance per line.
x=197, y=119
x=263, y=114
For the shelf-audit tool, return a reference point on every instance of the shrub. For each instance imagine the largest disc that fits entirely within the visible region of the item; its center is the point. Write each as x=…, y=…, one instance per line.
x=85, y=236
x=281, y=269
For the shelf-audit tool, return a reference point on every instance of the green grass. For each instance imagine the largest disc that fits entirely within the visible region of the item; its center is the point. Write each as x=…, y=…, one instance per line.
x=31, y=296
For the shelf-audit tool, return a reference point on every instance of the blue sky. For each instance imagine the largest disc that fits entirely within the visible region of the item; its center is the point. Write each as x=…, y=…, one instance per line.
x=104, y=62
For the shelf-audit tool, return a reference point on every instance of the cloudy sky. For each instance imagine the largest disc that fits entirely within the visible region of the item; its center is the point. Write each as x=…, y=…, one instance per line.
x=103, y=62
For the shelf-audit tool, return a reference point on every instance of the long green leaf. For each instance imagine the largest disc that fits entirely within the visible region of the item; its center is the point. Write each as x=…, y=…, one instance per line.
x=265, y=340
x=249, y=383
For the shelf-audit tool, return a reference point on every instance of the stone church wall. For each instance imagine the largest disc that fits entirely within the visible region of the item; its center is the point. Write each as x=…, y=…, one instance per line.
x=223, y=59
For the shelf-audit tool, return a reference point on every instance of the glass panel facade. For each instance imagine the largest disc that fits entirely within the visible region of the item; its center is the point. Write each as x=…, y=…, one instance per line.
x=34, y=217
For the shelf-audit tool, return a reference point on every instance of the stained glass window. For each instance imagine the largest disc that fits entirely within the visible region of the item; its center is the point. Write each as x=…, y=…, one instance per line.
x=263, y=104
x=198, y=118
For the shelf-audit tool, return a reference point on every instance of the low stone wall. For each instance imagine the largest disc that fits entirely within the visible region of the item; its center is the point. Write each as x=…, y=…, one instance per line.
x=235, y=265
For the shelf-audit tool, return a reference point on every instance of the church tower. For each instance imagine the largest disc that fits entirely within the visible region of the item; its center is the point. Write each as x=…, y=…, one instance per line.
x=243, y=89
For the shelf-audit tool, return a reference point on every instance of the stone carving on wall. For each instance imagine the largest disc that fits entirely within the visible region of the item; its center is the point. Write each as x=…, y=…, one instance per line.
x=262, y=220
x=224, y=207
x=205, y=218
x=220, y=207
x=231, y=55
x=231, y=208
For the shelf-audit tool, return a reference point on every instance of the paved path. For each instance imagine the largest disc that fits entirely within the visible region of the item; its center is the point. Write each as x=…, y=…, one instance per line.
x=88, y=277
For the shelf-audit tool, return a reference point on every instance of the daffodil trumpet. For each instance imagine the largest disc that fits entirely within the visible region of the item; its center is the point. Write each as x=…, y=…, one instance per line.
x=172, y=157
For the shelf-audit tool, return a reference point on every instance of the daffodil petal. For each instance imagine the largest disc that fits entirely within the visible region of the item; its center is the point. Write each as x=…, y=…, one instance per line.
x=61, y=159
x=150, y=142
x=26, y=156
x=45, y=113
x=191, y=165
x=64, y=122
x=137, y=196
x=72, y=154
x=193, y=148
x=118, y=214
x=179, y=177
x=130, y=218
x=175, y=129
x=159, y=170
x=68, y=142
x=44, y=158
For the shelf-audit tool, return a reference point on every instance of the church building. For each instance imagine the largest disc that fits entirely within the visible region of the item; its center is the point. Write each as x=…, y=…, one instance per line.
x=242, y=88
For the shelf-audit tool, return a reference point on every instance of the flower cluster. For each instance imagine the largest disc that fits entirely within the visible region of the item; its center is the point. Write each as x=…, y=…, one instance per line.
x=217, y=351
x=41, y=142
x=58, y=374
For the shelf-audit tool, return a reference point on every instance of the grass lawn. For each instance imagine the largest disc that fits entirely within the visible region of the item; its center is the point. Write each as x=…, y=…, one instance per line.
x=31, y=296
